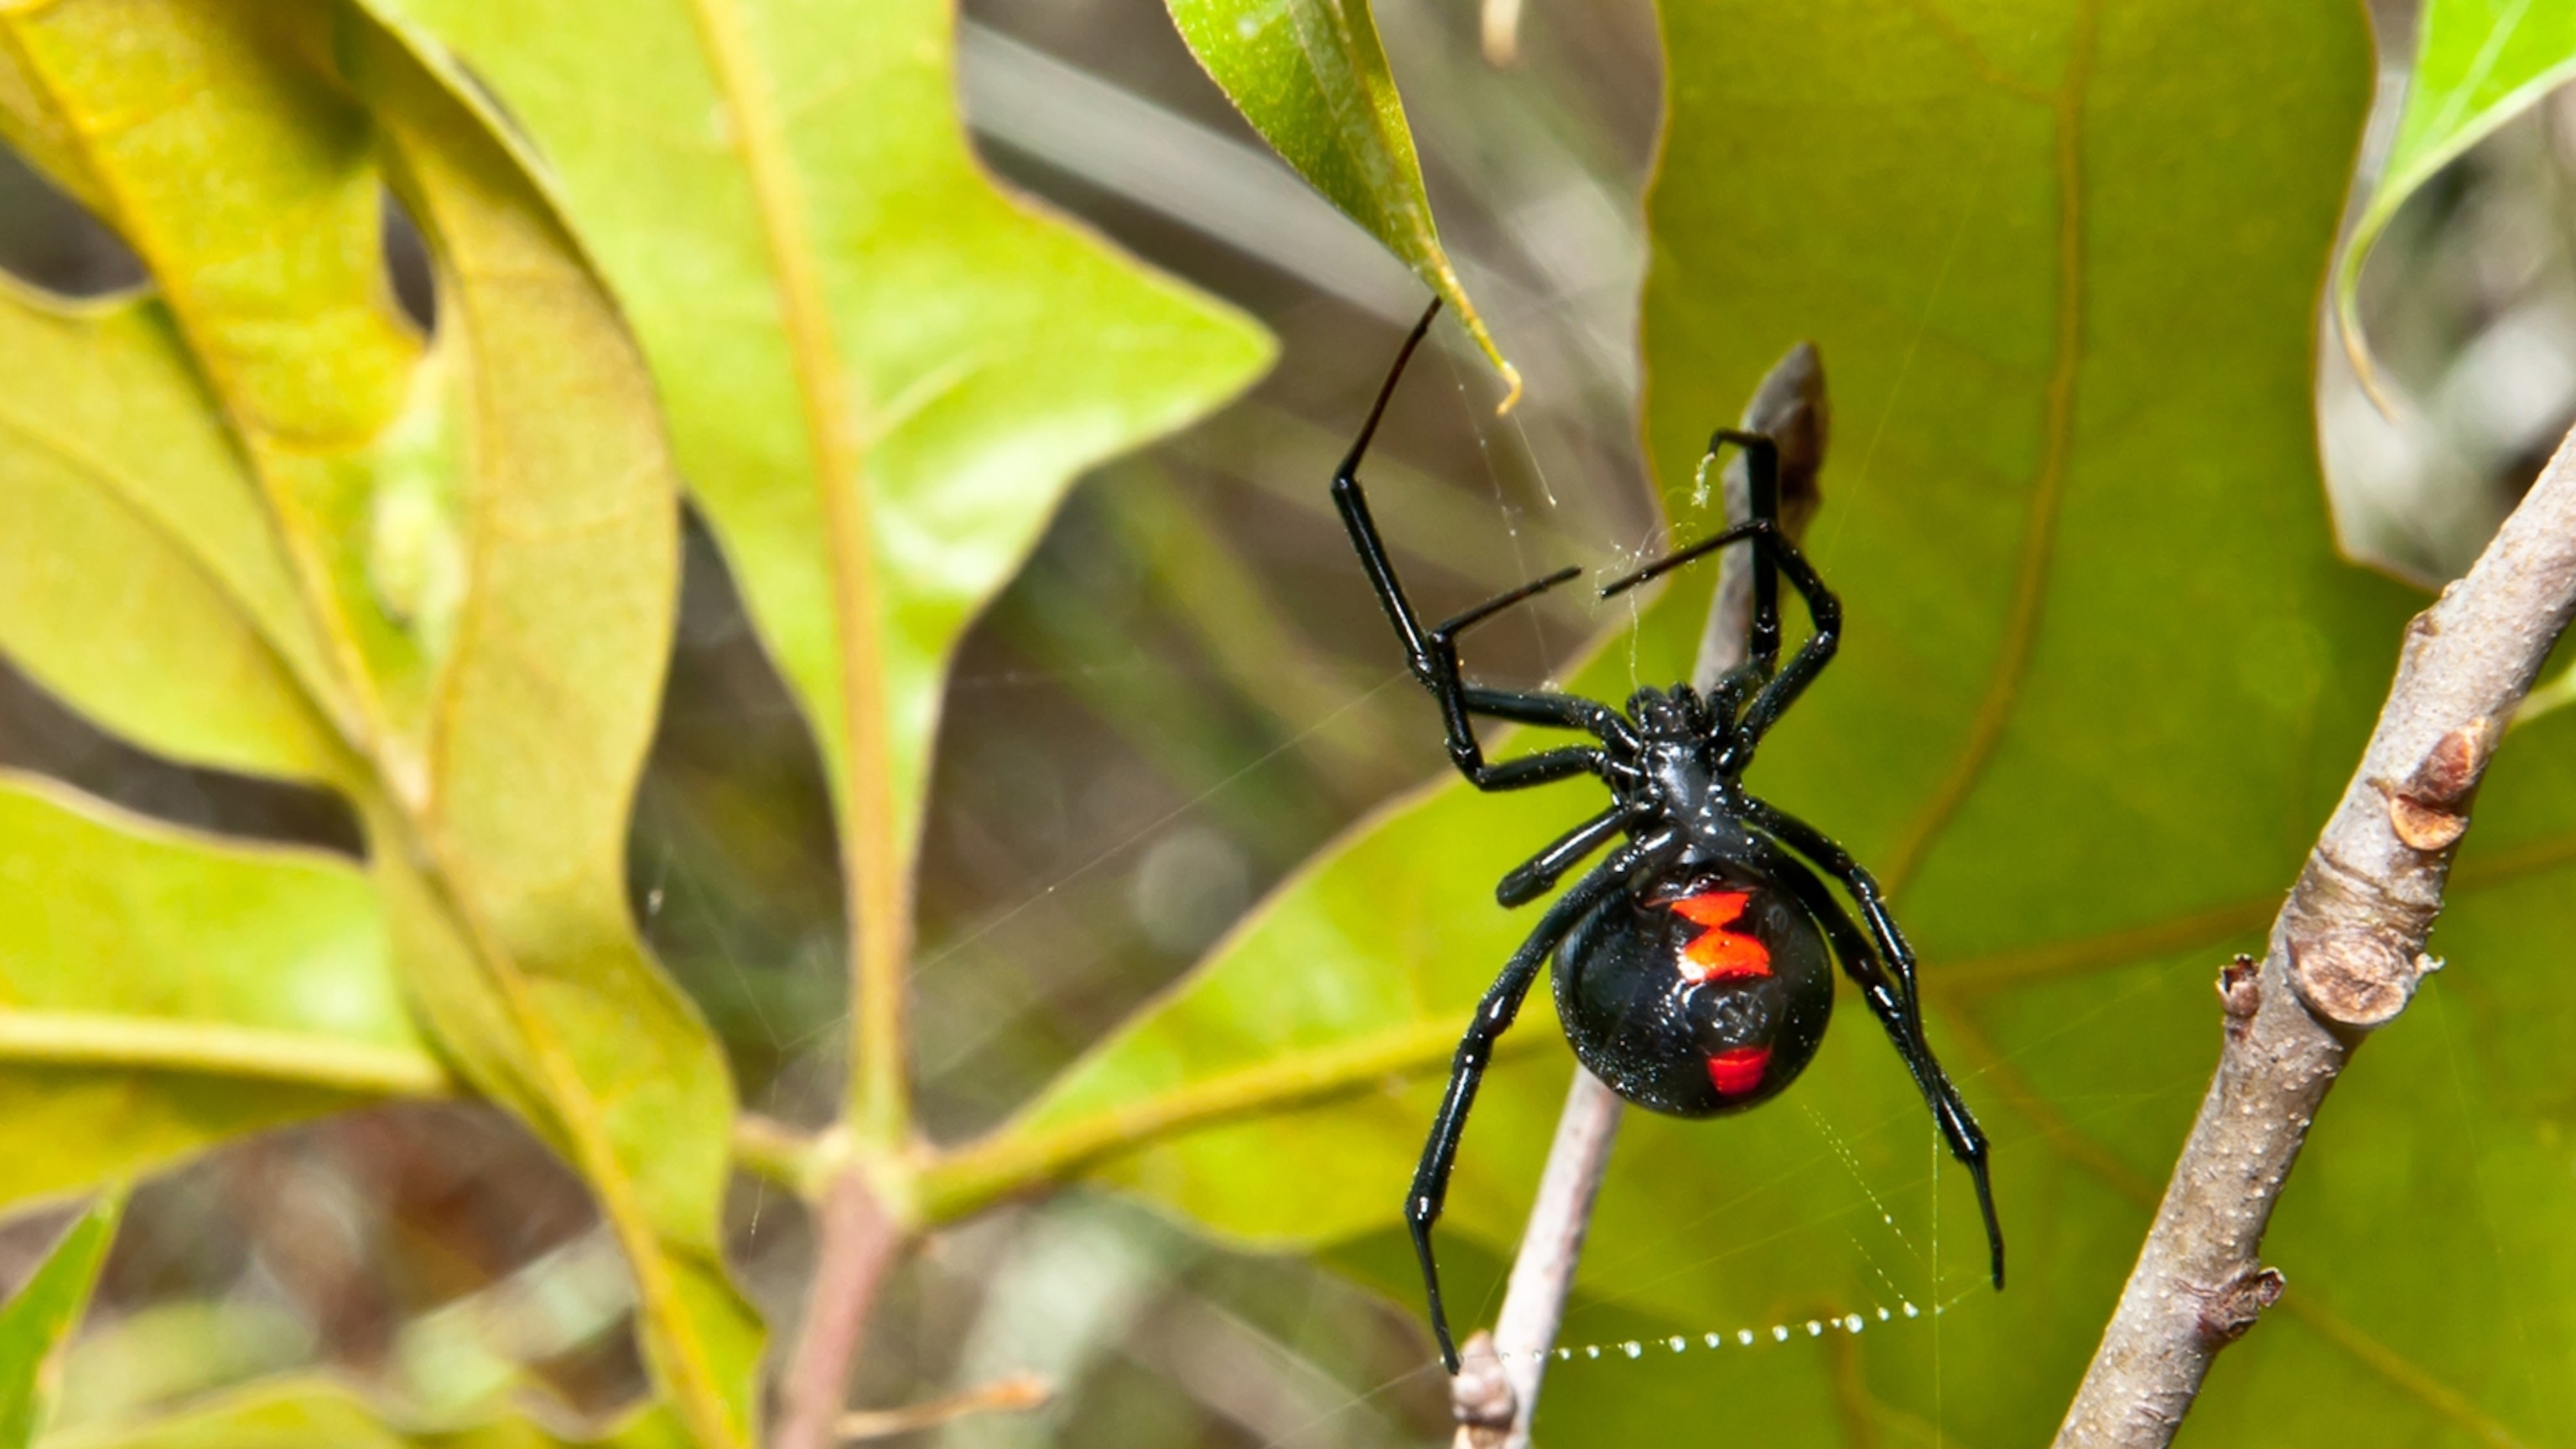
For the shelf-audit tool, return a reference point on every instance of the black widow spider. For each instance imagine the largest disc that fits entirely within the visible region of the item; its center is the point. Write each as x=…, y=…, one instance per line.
x=1691, y=970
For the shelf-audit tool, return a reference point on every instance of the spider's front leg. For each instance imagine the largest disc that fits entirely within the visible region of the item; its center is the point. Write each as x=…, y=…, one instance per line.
x=1432, y=654
x=1885, y=974
x=1824, y=612
x=1494, y=1015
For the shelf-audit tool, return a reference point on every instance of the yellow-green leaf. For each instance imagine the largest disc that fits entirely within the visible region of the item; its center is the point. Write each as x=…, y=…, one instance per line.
x=271, y=274
x=34, y=1322
x=314, y=1413
x=483, y=535
x=545, y=706
x=2478, y=64
x=1311, y=76
x=139, y=578
x=881, y=372
x=161, y=992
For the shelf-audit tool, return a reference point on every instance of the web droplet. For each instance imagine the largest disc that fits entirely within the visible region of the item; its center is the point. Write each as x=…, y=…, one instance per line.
x=1781, y=1333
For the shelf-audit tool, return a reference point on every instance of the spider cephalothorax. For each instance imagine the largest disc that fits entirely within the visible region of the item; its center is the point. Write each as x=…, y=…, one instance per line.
x=1694, y=963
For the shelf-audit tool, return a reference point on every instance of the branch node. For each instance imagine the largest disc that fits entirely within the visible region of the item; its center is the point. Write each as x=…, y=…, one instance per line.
x=2240, y=992
x=2229, y=1310
x=2450, y=770
x=2354, y=978
x=1481, y=1397
x=2425, y=809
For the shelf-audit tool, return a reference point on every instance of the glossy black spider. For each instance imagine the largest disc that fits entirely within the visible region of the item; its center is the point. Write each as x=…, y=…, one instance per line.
x=1692, y=963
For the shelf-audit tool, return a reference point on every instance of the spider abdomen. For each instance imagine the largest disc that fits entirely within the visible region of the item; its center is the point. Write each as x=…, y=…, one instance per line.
x=1697, y=994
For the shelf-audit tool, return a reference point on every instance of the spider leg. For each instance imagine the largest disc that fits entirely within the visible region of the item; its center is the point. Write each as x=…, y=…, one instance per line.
x=1762, y=471
x=1835, y=861
x=1533, y=877
x=1557, y=711
x=1886, y=982
x=1432, y=654
x=1824, y=610
x=1494, y=1014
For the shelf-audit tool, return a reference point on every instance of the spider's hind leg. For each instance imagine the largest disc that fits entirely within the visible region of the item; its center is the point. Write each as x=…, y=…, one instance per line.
x=1886, y=983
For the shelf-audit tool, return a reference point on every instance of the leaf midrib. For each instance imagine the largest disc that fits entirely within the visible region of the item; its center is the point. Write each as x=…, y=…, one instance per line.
x=132, y=499
x=310, y=573
x=878, y=1109
x=2030, y=583
x=212, y=1048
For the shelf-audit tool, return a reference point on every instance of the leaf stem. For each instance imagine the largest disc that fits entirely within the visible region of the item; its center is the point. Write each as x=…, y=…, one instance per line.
x=142, y=1043
x=874, y=859
x=1017, y=1158
x=775, y=1152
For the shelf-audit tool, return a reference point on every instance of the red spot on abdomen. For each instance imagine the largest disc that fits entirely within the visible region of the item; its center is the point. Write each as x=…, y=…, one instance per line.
x=1738, y=1071
x=1718, y=953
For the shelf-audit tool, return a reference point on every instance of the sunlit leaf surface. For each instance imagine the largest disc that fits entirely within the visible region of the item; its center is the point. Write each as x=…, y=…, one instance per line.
x=2103, y=676
x=881, y=373
x=1312, y=78
x=162, y=991
x=460, y=552
x=41, y=1314
x=138, y=575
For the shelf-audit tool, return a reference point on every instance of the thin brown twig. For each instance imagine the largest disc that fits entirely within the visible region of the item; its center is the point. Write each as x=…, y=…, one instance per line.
x=1016, y=1394
x=2345, y=957
x=1495, y=1394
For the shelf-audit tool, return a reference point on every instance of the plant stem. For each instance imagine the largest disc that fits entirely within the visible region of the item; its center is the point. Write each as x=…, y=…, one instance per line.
x=962, y=1181
x=855, y=1239
x=1495, y=1394
x=2345, y=957
x=1014, y=1395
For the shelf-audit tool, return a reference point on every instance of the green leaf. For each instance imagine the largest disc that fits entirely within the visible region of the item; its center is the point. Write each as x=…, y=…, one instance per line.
x=483, y=535
x=138, y=576
x=2103, y=676
x=313, y=1413
x=881, y=373
x=34, y=1323
x=1311, y=76
x=161, y=992
x=291, y=326
x=546, y=708
x=2478, y=64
